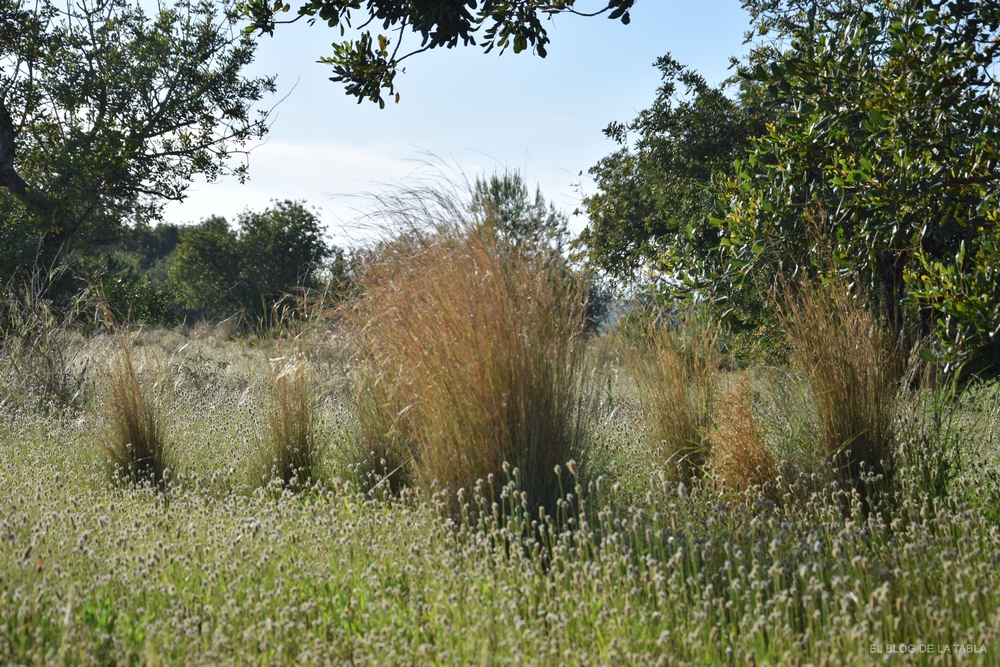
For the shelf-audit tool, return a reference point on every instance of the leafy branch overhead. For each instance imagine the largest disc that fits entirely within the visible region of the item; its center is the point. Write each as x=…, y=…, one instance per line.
x=367, y=65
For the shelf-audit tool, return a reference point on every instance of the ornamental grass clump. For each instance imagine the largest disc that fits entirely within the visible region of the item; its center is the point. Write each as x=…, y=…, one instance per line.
x=133, y=435
x=471, y=352
x=740, y=456
x=290, y=444
x=853, y=366
x=675, y=364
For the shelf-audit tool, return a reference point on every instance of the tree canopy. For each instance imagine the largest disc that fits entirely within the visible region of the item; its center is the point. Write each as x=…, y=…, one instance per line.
x=368, y=64
x=219, y=271
x=106, y=112
x=884, y=162
x=654, y=191
x=867, y=150
x=503, y=201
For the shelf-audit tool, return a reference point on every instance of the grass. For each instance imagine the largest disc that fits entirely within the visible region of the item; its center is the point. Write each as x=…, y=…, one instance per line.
x=90, y=574
x=675, y=365
x=290, y=451
x=854, y=367
x=741, y=458
x=38, y=351
x=472, y=354
x=132, y=434
x=628, y=567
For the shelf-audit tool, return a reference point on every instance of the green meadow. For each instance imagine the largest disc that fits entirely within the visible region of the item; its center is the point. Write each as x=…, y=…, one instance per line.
x=449, y=470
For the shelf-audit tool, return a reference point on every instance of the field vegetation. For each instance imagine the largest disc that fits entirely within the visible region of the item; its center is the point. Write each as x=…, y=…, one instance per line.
x=245, y=445
x=447, y=469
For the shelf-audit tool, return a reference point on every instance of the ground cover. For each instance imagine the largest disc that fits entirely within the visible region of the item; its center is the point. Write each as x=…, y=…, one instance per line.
x=631, y=568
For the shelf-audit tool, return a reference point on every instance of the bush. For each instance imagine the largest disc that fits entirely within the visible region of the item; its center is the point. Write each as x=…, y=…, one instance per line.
x=206, y=269
x=471, y=352
x=37, y=361
x=218, y=272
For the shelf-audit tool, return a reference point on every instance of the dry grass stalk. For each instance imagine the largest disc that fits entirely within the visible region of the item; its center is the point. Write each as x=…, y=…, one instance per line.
x=133, y=434
x=290, y=432
x=740, y=457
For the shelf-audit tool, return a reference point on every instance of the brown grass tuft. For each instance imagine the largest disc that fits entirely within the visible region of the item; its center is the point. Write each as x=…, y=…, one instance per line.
x=676, y=367
x=290, y=451
x=133, y=433
x=740, y=457
x=471, y=354
x=854, y=366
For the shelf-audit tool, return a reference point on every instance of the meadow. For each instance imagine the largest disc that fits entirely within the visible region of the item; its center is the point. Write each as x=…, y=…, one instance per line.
x=451, y=472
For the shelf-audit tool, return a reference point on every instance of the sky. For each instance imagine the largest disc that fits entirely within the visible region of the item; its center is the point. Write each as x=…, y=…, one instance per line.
x=463, y=113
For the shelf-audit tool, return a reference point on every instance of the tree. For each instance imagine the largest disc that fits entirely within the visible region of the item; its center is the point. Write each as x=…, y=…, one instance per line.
x=530, y=227
x=883, y=165
x=503, y=201
x=654, y=196
x=281, y=249
x=107, y=112
x=368, y=65
x=218, y=272
x=206, y=269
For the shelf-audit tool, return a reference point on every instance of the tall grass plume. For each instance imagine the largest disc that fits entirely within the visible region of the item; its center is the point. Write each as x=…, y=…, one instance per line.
x=740, y=456
x=854, y=366
x=133, y=433
x=471, y=351
x=290, y=443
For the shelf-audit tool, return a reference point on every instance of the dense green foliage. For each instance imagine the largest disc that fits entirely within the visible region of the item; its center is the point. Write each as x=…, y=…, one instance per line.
x=107, y=111
x=281, y=248
x=883, y=164
x=218, y=272
x=862, y=143
x=206, y=268
x=655, y=193
x=368, y=65
x=503, y=202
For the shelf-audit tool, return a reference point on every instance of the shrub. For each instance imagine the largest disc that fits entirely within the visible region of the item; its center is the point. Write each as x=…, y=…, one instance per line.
x=675, y=365
x=37, y=359
x=854, y=367
x=472, y=352
x=133, y=432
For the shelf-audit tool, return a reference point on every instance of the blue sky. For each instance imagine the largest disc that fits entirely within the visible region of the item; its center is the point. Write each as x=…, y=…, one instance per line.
x=465, y=112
